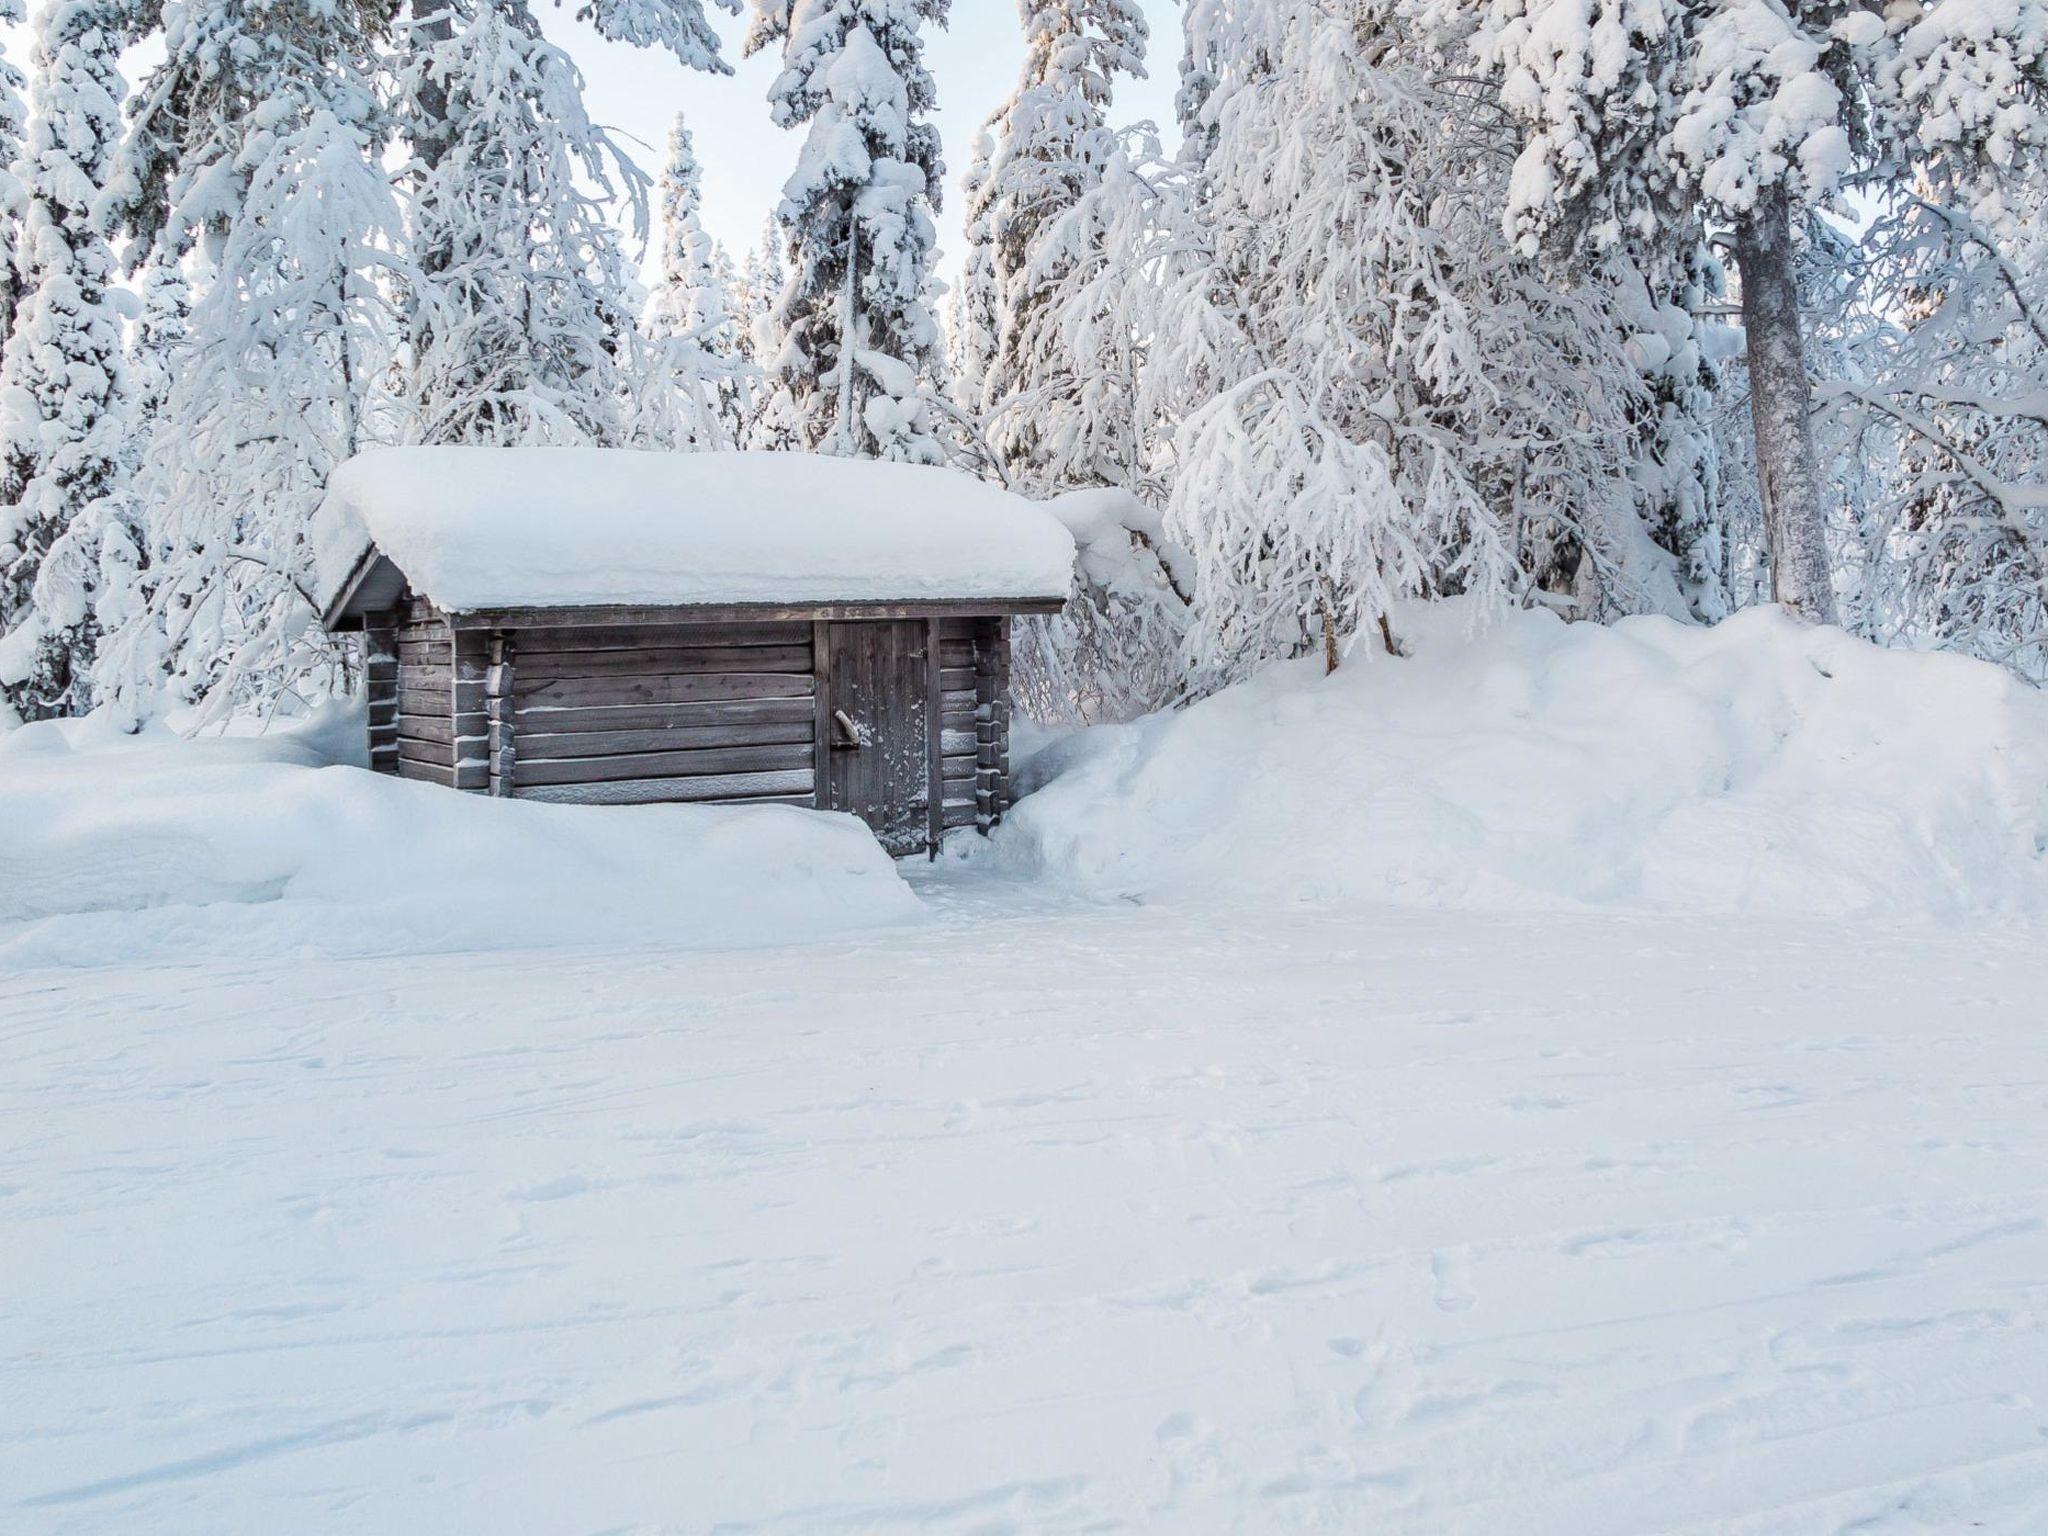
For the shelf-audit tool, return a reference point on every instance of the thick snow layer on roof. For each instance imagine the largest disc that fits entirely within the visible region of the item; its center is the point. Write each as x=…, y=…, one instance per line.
x=558, y=527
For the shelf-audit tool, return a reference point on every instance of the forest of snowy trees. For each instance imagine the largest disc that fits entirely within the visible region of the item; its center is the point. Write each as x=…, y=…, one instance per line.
x=1675, y=307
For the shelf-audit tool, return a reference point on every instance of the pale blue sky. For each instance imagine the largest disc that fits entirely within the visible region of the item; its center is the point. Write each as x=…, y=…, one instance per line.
x=746, y=159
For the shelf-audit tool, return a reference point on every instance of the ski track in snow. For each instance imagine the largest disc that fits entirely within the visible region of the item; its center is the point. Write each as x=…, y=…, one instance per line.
x=1040, y=1217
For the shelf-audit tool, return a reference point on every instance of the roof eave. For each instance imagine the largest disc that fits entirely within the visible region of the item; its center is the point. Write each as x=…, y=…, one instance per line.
x=578, y=615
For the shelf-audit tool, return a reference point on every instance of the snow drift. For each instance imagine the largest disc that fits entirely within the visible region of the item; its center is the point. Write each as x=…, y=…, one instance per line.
x=1759, y=766
x=116, y=847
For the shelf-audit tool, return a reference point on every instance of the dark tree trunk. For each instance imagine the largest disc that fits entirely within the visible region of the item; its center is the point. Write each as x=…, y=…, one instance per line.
x=1788, y=469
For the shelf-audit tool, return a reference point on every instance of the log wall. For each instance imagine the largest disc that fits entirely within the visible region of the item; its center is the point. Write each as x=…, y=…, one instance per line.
x=426, y=684
x=623, y=714
x=626, y=714
x=991, y=722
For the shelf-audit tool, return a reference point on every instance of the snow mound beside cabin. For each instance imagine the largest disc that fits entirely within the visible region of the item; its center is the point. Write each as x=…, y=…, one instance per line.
x=1757, y=766
x=153, y=847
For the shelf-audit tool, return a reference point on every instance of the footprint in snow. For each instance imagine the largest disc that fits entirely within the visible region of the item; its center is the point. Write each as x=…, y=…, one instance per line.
x=1453, y=1269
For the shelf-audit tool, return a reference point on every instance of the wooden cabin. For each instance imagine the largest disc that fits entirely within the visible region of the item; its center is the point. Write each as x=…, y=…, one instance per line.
x=611, y=627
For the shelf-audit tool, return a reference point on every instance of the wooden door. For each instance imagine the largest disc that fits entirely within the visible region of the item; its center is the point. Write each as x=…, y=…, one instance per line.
x=876, y=717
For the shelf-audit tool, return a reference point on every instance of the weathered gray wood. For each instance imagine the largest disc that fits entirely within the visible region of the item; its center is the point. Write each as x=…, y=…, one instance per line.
x=470, y=713
x=587, y=692
x=821, y=723
x=550, y=719
x=408, y=768
x=992, y=730
x=459, y=699
x=555, y=640
x=934, y=709
x=380, y=688
x=439, y=676
x=442, y=754
x=680, y=661
x=498, y=710
x=426, y=727
x=742, y=613
x=651, y=765
x=702, y=789
x=880, y=679
x=536, y=746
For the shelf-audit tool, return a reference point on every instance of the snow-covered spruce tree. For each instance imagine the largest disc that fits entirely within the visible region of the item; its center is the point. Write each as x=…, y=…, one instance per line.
x=13, y=123
x=973, y=319
x=158, y=341
x=256, y=147
x=1645, y=119
x=63, y=433
x=860, y=344
x=522, y=326
x=688, y=322
x=755, y=293
x=1051, y=142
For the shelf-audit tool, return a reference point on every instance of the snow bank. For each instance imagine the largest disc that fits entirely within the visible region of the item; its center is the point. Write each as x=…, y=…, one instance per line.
x=1759, y=766
x=152, y=847
x=542, y=527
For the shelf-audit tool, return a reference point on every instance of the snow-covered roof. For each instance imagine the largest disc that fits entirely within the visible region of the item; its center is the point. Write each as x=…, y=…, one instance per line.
x=488, y=528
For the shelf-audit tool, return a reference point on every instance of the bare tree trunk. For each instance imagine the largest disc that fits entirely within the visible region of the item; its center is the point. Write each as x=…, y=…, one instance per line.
x=432, y=24
x=1787, y=468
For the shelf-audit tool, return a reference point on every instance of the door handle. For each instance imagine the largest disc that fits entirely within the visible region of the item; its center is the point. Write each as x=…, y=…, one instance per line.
x=847, y=734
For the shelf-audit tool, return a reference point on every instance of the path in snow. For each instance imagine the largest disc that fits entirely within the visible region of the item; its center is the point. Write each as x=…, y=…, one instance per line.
x=1039, y=1219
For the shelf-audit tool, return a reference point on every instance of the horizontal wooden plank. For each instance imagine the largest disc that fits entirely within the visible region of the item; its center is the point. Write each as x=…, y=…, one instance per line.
x=953, y=679
x=677, y=661
x=410, y=768
x=417, y=678
x=700, y=789
x=588, y=692
x=413, y=750
x=548, y=641
x=956, y=741
x=539, y=745
x=956, y=653
x=424, y=701
x=460, y=699
x=427, y=727
x=553, y=720
x=651, y=765
x=748, y=613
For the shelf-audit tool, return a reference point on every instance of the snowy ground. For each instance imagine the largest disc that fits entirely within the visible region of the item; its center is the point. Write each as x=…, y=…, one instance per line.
x=1033, y=1215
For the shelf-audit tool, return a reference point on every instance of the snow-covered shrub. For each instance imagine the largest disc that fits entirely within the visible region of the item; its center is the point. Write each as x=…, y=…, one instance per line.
x=1116, y=652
